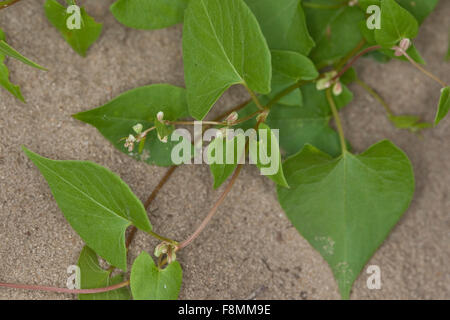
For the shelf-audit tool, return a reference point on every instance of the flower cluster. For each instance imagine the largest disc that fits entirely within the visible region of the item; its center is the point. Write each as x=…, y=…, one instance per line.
x=327, y=81
x=167, y=249
x=140, y=136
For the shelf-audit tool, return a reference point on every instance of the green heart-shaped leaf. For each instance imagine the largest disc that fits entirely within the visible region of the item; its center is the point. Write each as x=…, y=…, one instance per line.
x=346, y=207
x=396, y=24
x=444, y=105
x=148, y=282
x=222, y=46
x=92, y=276
x=149, y=14
x=97, y=203
x=115, y=119
x=283, y=24
x=79, y=39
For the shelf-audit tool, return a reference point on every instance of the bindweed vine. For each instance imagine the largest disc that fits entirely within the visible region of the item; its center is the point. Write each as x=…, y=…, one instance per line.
x=296, y=70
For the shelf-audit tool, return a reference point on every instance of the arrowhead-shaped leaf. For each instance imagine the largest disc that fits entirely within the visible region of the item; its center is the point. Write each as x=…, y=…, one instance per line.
x=444, y=105
x=97, y=203
x=79, y=39
x=7, y=50
x=148, y=282
x=222, y=46
x=92, y=276
x=283, y=24
x=396, y=24
x=149, y=14
x=116, y=118
x=346, y=207
x=4, y=76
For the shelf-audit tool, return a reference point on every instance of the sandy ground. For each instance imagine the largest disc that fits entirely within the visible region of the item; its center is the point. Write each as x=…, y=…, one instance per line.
x=250, y=250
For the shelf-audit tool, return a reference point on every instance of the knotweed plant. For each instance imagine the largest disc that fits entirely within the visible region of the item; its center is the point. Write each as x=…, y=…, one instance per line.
x=295, y=59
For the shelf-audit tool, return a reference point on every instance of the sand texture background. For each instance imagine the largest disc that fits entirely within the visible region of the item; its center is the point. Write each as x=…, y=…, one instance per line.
x=250, y=250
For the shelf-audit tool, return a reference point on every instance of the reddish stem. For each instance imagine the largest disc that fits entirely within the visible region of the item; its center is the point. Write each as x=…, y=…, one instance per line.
x=354, y=59
x=213, y=210
x=65, y=290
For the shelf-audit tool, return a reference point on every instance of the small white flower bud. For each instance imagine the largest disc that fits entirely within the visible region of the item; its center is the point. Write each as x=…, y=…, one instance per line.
x=163, y=139
x=403, y=46
x=337, y=89
x=171, y=256
x=323, y=84
x=262, y=116
x=129, y=143
x=160, y=249
x=232, y=118
x=138, y=128
x=160, y=116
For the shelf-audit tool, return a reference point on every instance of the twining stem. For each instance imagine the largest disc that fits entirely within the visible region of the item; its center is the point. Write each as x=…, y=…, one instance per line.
x=65, y=290
x=235, y=109
x=375, y=95
x=147, y=204
x=355, y=50
x=7, y=4
x=418, y=66
x=161, y=184
x=188, y=123
x=250, y=116
x=213, y=210
x=337, y=119
x=352, y=61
